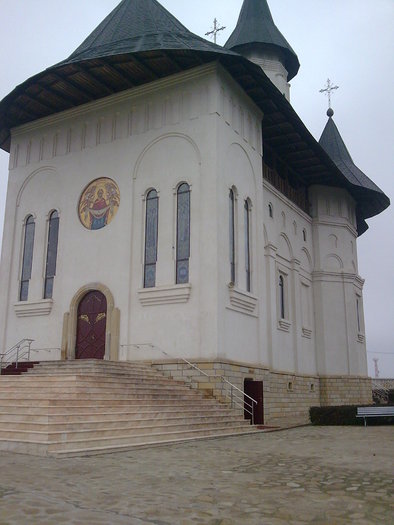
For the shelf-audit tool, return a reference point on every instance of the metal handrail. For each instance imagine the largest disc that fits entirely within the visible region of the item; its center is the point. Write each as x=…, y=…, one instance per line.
x=235, y=399
x=16, y=353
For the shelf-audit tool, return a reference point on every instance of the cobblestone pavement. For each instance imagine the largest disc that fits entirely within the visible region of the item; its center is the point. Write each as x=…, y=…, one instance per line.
x=309, y=475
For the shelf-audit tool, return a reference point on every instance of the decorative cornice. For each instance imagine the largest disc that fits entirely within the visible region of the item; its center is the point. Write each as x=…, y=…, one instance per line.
x=174, y=294
x=127, y=95
x=33, y=308
x=341, y=276
x=340, y=223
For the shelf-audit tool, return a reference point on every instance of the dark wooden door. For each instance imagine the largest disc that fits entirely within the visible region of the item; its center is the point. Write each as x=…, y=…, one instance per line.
x=91, y=326
x=255, y=389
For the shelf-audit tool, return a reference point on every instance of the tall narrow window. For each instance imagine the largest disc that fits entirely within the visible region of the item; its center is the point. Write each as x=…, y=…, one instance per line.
x=358, y=315
x=232, y=235
x=282, y=296
x=50, y=269
x=27, y=258
x=151, y=236
x=183, y=234
x=247, y=244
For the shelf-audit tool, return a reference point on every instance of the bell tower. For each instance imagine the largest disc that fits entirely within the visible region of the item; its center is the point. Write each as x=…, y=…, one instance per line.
x=258, y=39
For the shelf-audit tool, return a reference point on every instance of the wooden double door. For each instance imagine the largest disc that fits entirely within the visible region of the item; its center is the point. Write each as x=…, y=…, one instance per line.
x=91, y=326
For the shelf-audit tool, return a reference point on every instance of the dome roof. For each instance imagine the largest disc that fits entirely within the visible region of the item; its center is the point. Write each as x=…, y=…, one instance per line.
x=256, y=26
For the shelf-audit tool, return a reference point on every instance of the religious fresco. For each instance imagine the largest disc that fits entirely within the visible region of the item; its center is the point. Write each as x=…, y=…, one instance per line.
x=99, y=203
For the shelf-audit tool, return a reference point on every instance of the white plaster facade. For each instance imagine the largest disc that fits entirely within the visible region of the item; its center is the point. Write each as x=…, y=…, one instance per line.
x=196, y=127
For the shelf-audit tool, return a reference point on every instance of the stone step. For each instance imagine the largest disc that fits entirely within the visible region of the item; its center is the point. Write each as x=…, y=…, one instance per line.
x=120, y=432
x=90, y=370
x=88, y=449
x=146, y=439
x=56, y=407
x=99, y=424
x=126, y=415
x=88, y=406
x=95, y=366
x=43, y=379
x=81, y=387
x=88, y=395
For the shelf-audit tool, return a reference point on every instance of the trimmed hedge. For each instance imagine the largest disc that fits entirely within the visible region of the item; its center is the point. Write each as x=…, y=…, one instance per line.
x=343, y=415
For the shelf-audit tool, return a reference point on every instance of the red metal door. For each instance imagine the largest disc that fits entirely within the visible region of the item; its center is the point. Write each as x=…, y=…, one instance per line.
x=91, y=326
x=255, y=389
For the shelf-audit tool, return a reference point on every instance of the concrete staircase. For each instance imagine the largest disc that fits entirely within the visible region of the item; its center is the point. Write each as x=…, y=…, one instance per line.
x=72, y=408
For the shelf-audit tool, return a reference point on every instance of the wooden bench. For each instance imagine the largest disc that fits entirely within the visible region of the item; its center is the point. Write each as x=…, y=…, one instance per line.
x=378, y=411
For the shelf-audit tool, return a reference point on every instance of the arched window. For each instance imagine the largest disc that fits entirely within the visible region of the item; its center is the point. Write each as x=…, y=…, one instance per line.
x=27, y=261
x=232, y=234
x=50, y=269
x=183, y=234
x=247, y=244
x=282, y=296
x=304, y=234
x=151, y=238
x=270, y=210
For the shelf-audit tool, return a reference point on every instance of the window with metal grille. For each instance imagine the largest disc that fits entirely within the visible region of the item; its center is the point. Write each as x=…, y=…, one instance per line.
x=50, y=269
x=183, y=234
x=151, y=238
x=27, y=261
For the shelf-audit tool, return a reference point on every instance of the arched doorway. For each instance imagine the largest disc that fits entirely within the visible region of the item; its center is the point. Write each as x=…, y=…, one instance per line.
x=91, y=326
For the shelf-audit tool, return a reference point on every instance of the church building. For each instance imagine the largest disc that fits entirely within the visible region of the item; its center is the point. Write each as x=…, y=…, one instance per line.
x=166, y=203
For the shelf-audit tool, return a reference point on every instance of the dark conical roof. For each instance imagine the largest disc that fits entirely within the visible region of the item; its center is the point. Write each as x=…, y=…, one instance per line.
x=135, y=26
x=256, y=26
x=332, y=142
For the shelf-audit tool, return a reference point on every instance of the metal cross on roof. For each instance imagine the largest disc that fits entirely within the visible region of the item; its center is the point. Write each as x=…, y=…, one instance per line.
x=215, y=30
x=328, y=90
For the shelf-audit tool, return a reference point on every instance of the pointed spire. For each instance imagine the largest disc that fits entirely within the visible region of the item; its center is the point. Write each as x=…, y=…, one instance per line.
x=332, y=142
x=256, y=26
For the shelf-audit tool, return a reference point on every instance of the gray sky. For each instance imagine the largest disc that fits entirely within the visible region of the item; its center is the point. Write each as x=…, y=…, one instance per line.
x=350, y=41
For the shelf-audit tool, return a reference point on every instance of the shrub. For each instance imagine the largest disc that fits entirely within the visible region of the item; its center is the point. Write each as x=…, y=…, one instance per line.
x=340, y=415
x=344, y=415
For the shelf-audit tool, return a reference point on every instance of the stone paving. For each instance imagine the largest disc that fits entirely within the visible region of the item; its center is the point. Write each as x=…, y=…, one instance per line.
x=309, y=475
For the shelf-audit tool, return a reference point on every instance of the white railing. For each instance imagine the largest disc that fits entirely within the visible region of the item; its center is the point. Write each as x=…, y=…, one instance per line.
x=21, y=350
x=238, y=398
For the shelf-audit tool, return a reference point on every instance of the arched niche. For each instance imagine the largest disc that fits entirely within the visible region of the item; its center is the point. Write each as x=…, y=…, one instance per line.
x=285, y=249
x=112, y=328
x=333, y=262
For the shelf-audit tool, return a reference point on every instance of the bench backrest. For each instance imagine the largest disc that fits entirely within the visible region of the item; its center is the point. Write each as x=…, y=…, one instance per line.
x=375, y=411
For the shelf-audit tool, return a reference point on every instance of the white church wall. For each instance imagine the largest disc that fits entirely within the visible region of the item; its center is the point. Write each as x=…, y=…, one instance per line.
x=288, y=253
x=155, y=136
x=337, y=285
x=103, y=139
x=197, y=127
x=239, y=168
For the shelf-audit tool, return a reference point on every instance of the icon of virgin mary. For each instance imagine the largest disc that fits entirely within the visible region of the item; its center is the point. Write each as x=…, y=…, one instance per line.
x=99, y=203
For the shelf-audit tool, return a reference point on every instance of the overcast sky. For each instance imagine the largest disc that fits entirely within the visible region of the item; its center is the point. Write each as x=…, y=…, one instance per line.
x=350, y=41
